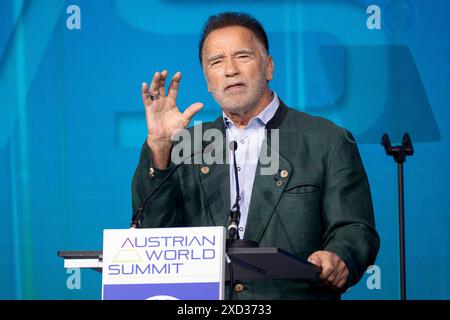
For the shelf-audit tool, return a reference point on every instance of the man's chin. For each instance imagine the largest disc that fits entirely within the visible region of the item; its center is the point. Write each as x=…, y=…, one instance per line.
x=236, y=109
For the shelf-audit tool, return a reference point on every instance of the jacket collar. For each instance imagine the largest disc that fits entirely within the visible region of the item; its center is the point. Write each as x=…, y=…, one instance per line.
x=273, y=123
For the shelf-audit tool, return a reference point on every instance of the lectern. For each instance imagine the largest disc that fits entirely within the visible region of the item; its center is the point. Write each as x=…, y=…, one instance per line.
x=242, y=263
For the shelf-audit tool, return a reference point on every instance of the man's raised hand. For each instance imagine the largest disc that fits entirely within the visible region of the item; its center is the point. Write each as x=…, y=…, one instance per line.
x=163, y=116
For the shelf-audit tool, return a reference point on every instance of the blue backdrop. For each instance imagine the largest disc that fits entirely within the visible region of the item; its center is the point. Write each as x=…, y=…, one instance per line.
x=72, y=120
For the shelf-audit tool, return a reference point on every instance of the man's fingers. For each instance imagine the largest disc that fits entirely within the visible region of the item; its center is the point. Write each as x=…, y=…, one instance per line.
x=327, y=270
x=334, y=269
x=337, y=280
x=334, y=274
x=322, y=259
x=342, y=282
x=162, y=83
x=342, y=277
x=144, y=91
x=158, y=85
x=154, y=86
x=316, y=259
x=174, y=84
x=192, y=110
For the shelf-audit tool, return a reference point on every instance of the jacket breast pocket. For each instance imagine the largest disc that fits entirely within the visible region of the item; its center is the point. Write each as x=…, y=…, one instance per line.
x=302, y=197
x=302, y=188
x=299, y=215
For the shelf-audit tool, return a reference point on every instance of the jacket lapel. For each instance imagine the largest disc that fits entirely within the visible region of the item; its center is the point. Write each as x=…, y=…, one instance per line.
x=215, y=182
x=268, y=189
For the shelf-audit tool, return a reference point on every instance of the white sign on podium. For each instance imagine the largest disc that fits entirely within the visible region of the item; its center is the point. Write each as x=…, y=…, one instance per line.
x=166, y=263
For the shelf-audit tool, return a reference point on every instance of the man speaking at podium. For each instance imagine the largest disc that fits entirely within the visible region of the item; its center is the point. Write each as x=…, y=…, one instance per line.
x=316, y=204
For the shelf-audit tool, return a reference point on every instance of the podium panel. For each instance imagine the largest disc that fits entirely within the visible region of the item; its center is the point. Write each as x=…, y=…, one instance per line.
x=163, y=263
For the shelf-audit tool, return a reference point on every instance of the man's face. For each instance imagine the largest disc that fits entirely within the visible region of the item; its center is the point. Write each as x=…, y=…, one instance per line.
x=236, y=68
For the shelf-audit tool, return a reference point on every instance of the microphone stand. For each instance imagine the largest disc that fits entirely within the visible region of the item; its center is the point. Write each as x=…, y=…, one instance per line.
x=136, y=219
x=233, y=240
x=137, y=216
x=399, y=153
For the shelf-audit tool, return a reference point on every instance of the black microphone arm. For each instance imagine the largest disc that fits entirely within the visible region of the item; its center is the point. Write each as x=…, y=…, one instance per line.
x=136, y=219
x=234, y=240
x=235, y=214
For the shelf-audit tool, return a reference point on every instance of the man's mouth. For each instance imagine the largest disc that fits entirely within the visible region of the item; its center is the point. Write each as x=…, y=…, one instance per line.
x=234, y=86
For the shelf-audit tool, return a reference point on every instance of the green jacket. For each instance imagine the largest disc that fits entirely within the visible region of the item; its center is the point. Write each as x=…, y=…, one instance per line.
x=323, y=203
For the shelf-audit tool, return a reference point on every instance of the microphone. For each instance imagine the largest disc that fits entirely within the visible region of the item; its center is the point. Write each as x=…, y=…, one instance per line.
x=136, y=219
x=234, y=240
x=235, y=214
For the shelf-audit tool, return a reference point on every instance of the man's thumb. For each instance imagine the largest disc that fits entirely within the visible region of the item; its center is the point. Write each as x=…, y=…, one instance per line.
x=314, y=258
x=192, y=110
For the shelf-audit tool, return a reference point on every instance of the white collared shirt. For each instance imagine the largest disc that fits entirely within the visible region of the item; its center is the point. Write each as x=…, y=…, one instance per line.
x=249, y=141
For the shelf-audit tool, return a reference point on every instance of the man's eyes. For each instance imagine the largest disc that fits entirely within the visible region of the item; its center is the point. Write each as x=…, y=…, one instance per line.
x=216, y=63
x=240, y=57
x=243, y=57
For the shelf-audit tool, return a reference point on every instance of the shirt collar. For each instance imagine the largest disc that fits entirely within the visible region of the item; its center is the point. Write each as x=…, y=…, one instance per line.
x=264, y=116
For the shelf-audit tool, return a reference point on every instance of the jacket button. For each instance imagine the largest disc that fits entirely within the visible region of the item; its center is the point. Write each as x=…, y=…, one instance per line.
x=205, y=170
x=279, y=183
x=239, y=287
x=284, y=173
x=151, y=172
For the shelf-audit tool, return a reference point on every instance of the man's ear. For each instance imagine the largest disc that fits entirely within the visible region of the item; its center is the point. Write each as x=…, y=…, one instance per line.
x=269, y=68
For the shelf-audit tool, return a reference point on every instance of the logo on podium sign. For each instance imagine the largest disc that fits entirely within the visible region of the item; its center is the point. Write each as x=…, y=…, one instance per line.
x=164, y=264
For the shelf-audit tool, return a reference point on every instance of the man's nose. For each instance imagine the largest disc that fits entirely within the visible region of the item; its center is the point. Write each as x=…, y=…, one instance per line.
x=231, y=69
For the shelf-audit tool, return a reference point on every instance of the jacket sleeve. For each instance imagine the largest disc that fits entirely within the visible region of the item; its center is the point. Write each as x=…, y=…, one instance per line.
x=162, y=210
x=348, y=211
